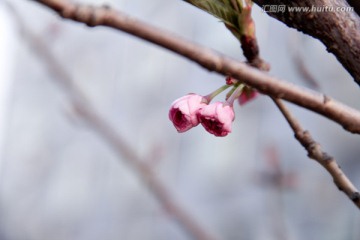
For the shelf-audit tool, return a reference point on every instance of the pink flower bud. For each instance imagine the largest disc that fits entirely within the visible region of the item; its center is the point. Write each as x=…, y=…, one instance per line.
x=247, y=95
x=183, y=111
x=217, y=118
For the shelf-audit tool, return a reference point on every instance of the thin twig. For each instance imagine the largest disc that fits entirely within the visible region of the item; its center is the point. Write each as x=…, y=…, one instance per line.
x=347, y=117
x=104, y=129
x=315, y=152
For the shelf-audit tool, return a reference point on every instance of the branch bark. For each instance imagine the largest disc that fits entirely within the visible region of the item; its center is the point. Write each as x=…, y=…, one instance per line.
x=338, y=30
x=347, y=117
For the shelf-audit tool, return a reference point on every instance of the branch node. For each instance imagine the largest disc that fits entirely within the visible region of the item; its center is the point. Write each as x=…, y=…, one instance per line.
x=355, y=196
x=338, y=186
x=85, y=14
x=306, y=139
x=68, y=13
x=326, y=158
x=326, y=99
x=92, y=19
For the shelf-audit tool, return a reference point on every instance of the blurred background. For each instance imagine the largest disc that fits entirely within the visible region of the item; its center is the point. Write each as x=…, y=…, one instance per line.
x=60, y=180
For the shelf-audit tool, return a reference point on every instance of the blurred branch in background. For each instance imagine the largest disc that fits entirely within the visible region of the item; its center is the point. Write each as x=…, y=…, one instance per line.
x=85, y=110
x=279, y=181
x=347, y=117
x=300, y=64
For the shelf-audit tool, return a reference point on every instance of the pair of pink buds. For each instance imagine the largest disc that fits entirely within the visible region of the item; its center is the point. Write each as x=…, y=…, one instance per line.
x=192, y=109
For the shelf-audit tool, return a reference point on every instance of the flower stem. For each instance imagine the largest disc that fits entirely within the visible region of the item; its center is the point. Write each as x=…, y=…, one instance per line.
x=235, y=93
x=210, y=96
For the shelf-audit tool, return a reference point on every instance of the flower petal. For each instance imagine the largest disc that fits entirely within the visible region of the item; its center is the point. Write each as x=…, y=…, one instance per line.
x=183, y=112
x=217, y=118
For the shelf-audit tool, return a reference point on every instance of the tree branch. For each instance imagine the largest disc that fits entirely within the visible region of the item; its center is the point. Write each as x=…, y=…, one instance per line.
x=313, y=148
x=104, y=129
x=315, y=152
x=96, y=16
x=338, y=30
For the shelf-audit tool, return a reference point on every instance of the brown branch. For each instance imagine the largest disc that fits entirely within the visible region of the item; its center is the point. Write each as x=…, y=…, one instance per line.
x=314, y=149
x=104, y=129
x=96, y=16
x=315, y=152
x=338, y=30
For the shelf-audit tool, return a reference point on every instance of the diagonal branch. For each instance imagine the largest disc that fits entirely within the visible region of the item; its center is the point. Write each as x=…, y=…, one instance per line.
x=315, y=152
x=104, y=129
x=347, y=117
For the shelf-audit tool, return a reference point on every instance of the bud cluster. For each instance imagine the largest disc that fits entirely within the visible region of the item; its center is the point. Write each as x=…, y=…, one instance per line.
x=193, y=109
